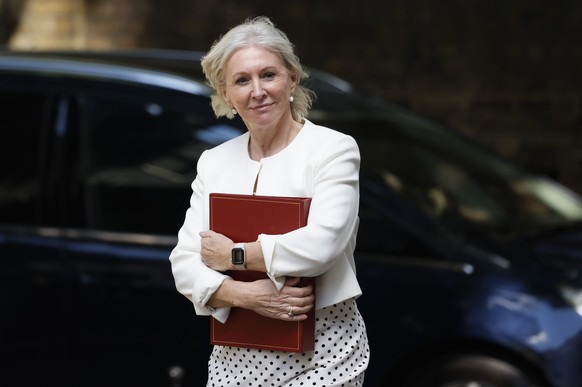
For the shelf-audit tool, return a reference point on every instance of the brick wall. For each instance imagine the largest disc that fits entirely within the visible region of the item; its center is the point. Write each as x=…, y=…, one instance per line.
x=505, y=72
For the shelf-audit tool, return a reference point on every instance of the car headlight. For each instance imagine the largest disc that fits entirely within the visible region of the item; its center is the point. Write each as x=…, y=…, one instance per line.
x=573, y=296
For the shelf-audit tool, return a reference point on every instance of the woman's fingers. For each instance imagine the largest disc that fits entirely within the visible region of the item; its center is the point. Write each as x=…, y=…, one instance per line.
x=297, y=301
x=290, y=303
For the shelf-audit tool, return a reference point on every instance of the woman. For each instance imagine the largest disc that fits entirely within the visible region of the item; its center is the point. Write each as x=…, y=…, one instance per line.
x=256, y=74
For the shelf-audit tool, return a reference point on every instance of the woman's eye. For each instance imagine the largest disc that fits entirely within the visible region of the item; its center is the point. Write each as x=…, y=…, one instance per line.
x=241, y=81
x=269, y=75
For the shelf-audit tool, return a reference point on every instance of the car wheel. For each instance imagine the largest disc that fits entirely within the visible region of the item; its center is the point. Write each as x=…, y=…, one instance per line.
x=471, y=371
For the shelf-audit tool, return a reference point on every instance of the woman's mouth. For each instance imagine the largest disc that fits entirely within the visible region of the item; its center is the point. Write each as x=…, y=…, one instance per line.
x=262, y=107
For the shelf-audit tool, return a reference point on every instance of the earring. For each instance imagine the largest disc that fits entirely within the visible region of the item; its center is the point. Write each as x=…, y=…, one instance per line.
x=234, y=111
x=291, y=99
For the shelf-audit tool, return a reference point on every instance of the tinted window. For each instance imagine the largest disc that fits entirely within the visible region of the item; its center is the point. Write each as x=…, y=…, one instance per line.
x=140, y=154
x=457, y=182
x=20, y=156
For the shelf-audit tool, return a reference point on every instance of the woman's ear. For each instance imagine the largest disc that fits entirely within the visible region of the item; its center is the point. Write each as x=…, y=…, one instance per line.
x=293, y=84
x=225, y=96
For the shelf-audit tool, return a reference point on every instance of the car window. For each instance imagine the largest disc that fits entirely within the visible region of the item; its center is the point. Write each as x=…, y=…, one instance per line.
x=453, y=180
x=139, y=156
x=21, y=140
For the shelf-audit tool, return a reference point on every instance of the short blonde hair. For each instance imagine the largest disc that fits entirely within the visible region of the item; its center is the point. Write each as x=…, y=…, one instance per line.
x=262, y=32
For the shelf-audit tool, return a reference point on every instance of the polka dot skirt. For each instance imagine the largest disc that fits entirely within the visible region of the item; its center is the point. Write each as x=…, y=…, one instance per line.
x=340, y=357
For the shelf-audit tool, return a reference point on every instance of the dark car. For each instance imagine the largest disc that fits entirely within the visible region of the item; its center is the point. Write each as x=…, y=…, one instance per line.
x=471, y=267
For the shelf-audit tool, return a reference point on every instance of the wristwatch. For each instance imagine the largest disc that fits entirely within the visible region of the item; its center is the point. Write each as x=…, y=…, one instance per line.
x=238, y=258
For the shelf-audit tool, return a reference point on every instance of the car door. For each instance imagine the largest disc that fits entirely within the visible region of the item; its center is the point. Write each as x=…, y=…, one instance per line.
x=32, y=328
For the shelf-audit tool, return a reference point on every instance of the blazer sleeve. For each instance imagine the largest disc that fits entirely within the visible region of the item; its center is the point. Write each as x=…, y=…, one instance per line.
x=332, y=221
x=192, y=277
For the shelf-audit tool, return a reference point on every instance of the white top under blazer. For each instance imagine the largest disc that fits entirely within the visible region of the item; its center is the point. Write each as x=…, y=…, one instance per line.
x=320, y=163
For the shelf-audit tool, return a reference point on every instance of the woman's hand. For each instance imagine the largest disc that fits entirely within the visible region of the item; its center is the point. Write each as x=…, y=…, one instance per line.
x=291, y=303
x=216, y=250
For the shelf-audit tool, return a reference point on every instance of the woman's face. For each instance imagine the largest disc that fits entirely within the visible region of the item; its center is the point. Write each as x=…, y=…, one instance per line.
x=258, y=86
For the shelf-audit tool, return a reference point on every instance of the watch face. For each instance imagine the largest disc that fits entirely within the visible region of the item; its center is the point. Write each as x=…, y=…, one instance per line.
x=238, y=256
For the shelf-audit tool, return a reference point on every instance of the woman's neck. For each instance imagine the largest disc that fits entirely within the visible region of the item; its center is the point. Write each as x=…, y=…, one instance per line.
x=268, y=141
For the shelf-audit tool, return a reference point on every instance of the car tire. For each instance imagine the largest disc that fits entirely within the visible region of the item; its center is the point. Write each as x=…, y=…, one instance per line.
x=472, y=371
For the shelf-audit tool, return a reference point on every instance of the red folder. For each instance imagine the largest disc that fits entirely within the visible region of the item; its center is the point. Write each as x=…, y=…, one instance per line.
x=242, y=218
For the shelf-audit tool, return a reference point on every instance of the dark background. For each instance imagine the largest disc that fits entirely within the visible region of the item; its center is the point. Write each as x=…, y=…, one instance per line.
x=507, y=72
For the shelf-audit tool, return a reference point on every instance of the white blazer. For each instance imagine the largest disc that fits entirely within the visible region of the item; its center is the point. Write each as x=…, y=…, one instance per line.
x=320, y=163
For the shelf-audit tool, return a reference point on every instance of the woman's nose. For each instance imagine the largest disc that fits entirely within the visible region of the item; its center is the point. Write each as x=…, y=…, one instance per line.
x=258, y=90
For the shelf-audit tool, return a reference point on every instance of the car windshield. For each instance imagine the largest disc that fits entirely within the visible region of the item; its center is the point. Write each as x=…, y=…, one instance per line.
x=452, y=178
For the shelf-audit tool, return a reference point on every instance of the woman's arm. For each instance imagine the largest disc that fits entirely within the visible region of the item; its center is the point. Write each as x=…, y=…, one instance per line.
x=261, y=296
x=193, y=278
x=333, y=216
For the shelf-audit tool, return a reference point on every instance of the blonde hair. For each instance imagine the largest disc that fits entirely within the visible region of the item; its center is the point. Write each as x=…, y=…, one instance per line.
x=262, y=32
